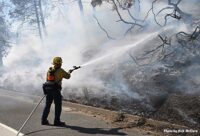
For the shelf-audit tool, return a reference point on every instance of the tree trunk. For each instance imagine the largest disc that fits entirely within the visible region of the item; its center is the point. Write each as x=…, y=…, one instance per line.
x=81, y=7
x=1, y=60
x=137, y=5
x=42, y=18
x=38, y=19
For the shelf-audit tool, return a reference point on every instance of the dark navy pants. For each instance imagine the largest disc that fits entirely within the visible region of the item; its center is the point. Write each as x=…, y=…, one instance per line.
x=57, y=98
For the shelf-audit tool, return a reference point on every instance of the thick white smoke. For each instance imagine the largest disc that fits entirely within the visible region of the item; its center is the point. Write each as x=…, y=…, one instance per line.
x=72, y=36
x=78, y=39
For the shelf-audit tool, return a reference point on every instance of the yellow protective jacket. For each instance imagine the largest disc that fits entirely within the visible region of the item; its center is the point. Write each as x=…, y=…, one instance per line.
x=59, y=74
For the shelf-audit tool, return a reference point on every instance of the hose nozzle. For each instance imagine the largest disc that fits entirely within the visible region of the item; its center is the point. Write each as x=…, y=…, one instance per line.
x=74, y=68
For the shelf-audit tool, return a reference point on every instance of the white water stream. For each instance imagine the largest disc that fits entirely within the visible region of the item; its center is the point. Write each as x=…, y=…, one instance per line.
x=124, y=49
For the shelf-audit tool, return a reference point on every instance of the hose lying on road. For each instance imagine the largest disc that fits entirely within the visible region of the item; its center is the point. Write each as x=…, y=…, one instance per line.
x=30, y=115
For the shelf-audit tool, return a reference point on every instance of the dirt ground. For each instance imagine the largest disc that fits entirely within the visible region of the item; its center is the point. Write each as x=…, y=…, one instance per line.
x=129, y=122
x=182, y=109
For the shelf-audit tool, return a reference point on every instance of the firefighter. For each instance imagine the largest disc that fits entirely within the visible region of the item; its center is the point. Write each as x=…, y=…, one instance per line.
x=52, y=89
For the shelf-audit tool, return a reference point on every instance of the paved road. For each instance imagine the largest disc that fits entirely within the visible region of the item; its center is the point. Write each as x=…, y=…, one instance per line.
x=14, y=109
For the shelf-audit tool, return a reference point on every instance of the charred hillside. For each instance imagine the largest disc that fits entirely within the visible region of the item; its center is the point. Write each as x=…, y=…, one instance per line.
x=166, y=88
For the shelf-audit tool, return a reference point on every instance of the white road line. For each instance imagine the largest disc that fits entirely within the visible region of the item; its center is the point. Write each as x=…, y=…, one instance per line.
x=11, y=129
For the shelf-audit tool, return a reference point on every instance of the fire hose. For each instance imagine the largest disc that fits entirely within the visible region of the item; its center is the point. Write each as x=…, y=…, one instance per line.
x=25, y=122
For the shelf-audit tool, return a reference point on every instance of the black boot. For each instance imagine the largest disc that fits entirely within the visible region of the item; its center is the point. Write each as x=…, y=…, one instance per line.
x=59, y=123
x=45, y=122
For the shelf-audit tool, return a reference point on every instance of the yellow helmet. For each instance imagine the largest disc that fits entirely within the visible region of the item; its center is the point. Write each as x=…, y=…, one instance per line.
x=57, y=60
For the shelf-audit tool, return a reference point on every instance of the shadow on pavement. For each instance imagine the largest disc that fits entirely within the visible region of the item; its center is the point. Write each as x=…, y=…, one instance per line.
x=112, y=131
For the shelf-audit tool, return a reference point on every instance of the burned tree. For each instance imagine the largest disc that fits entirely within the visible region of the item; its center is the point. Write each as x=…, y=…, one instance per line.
x=29, y=12
x=184, y=44
x=81, y=6
x=176, y=13
x=124, y=5
x=4, y=33
x=159, y=50
x=183, y=36
x=4, y=44
x=161, y=16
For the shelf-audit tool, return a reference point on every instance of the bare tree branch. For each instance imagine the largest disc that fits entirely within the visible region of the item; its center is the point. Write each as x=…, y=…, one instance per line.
x=184, y=37
x=103, y=29
x=121, y=18
x=153, y=12
x=162, y=46
x=135, y=19
x=159, y=51
x=133, y=23
x=163, y=10
x=139, y=4
x=177, y=13
x=129, y=30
